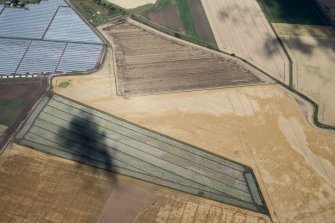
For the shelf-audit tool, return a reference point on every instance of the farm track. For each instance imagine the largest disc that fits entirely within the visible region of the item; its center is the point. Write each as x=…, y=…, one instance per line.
x=72, y=131
x=148, y=62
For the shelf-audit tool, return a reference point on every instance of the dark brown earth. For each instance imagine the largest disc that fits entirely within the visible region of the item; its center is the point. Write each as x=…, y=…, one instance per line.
x=150, y=63
x=168, y=17
x=17, y=96
x=18, y=88
x=200, y=21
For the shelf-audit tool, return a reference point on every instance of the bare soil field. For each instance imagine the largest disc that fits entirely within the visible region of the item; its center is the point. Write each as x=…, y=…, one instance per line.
x=313, y=67
x=17, y=97
x=14, y=96
x=148, y=62
x=264, y=127
x=200, y=21
x=130, y=4
x=168, y=17
x=240, y=27
x=37, y=187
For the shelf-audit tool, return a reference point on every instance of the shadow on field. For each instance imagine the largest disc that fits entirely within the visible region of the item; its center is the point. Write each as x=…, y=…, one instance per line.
x=86, y=142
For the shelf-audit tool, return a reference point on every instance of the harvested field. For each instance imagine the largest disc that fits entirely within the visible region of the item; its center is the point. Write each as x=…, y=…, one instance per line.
x=130, y=4
x=314, y=70
x=168, y=17
x=148, y=62
x=36, y=187
x=261, y=126
x=200, y=21
x=240, y=27
x=66, y=191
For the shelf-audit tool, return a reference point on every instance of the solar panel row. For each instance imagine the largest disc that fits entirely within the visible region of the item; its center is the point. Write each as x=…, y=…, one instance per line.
x=67, y=26
x=79, y=57
x=41, y=57
x=11, y=53
x=24, y=56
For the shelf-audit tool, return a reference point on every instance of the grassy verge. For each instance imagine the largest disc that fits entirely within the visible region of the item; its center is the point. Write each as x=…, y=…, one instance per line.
x=292, y=12
x=10, y=109
x=97, y=11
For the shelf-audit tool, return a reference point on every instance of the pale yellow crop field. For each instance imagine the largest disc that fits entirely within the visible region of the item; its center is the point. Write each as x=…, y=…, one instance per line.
x=240, y=27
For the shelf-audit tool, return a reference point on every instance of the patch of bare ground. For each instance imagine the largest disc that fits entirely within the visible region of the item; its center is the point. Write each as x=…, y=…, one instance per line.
x=312, y=49
x=148, y=62
x=130, y=4
x=168, y=17
x=261, y=126
x=240, y=27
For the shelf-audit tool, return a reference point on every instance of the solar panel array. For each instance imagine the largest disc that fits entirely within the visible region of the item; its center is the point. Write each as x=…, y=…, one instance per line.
x=46, y=38
x=79, y=57
x=11, y=53
x=67, y=26
x=41, y=57
x=28, y=23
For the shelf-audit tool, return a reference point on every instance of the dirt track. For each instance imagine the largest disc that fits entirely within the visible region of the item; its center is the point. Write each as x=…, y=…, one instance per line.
x=240, y=27
x=149, y=62
x=261, y=126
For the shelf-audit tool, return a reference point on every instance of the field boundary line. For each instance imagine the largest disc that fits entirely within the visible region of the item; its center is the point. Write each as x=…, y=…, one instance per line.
x=61, y=57
x=51, y=21
x=19, y=64
x=15, y=127
x=3, y=9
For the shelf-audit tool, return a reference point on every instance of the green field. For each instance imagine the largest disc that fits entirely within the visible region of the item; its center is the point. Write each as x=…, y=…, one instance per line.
x=189, y=21
x=186, y=16
x=292, y=12
x=97, y=11
x=10, y=109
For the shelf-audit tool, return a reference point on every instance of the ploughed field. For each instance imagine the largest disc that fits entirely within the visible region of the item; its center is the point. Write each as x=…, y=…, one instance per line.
x=70, y=130
x=149, y=62
x=17, y=96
